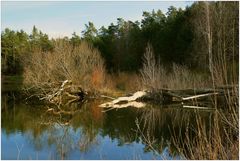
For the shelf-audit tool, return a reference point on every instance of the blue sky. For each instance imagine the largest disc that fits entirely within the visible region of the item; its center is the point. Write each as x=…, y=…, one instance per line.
x=61, y=18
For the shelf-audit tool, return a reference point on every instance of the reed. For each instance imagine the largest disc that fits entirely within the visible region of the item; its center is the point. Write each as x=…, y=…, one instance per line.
x=217, y=139
x=155, y=75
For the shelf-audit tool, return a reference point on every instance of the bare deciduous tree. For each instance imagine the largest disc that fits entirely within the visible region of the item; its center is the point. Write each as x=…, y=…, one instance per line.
x=216, y=38
x=151, y=72
x=48, y=72
x=154, y=75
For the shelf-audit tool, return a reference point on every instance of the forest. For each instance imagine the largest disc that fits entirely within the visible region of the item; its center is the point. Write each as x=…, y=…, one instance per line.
x=173, y=36
x=193, y=49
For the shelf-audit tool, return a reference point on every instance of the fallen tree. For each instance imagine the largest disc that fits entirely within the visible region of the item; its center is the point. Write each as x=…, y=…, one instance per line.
x=164, y=97
x=66, y=93
x=65, y=75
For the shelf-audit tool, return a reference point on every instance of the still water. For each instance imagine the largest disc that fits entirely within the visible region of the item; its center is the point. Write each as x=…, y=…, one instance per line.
x=29, y=132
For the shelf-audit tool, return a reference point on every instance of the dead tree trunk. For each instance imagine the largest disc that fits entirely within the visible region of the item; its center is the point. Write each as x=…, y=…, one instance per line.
x=65, y=94
x=163, y=97
x=139, y=98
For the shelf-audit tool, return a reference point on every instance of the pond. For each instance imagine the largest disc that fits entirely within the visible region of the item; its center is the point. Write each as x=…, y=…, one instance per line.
x=29, y=132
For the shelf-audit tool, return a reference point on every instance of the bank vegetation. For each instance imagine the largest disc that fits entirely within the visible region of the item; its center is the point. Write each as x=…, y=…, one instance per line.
x=196, y=48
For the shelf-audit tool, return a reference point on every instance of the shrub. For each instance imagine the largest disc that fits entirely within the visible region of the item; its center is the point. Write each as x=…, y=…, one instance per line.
x=156, y=76
x=81, y=64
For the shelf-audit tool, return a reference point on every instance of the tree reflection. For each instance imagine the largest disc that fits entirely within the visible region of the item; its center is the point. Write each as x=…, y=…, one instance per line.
x=164, y=124
x=64, y=132
x=80, y=130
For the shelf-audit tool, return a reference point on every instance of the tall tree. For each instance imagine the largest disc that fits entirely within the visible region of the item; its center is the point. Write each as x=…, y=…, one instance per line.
x=14, y=46
x=40, y=40
x=75, y=39
x=90, y=32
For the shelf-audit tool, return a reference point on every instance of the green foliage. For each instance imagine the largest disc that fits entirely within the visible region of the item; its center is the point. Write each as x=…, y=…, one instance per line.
x=14, y=46
x=90, y=32
x=123, y=44
x=17, y=44
x=172, y=35
x=40, y=40
x=75, y=39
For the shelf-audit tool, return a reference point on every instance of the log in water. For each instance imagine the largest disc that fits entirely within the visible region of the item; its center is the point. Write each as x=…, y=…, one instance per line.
x=164, y=96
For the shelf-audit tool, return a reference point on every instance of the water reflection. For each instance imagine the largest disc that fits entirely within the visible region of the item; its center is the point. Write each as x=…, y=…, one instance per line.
x=89, y=133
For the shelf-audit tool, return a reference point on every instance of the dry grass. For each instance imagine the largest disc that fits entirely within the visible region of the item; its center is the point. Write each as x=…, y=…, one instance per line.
x=214, y=142
x=125, y=81
x=152, y=72
x=154, y=75
x=120, y=83
x=182, y=78
x=195, y=136
x=221, y=140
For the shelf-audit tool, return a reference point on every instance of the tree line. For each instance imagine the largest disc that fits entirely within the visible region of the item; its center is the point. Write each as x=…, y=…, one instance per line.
x=192, y=37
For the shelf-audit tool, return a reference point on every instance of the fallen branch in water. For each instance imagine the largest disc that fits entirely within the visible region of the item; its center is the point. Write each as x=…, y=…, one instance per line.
x=66, y=93
x=129, y=104
x=197, y=107
x=162, y=97
x=198, y=96
x=126, y=101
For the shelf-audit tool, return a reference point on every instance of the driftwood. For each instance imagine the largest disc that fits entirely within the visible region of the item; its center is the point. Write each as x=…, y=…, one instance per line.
x=66, y=94
x=139, y=98
x=197, y=107
x=164, y=96
x=199, y=96
x=126, y=101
